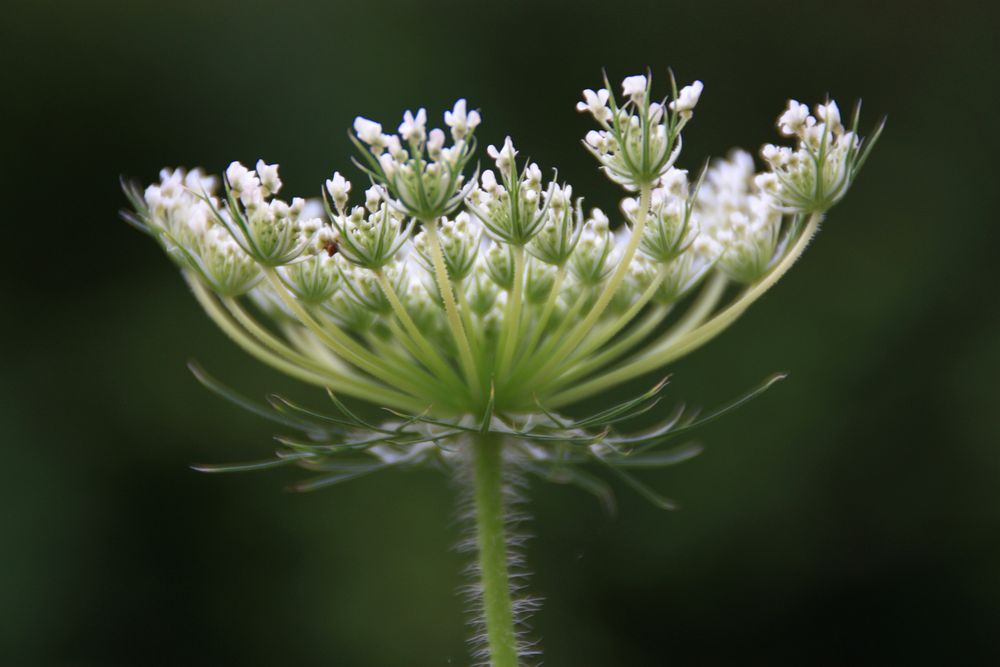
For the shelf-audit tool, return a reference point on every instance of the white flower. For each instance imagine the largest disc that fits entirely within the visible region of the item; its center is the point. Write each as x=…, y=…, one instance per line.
x=795, y=119
x=395, y=148
x=675, y=182
x=268, y=174
x=643, y=142
x=596, y=103
x=460, y=121
x=767, y=183
x=489, y=180
x=435, y=143
x=388, y=164
x=373, y=197
x=533, y=177
x=196, y=181
x=240, y=179
x=413, y=128
x=537, y=291
x=505, y=156
x=655, y=112
x=339, y=189
x=634, y=87
x=829, y=113
x=370, y=132
x=816, y=173
x=687, y=99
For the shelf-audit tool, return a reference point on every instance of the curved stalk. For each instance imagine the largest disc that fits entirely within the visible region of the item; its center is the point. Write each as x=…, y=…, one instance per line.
x=451, y=309
x=307, y=344
x=470, y=327
x=512, y=321
x=287, y=349
x=543, y=320
x=584, y=327
x=430, y=355
x=340, y=342
x=681, y=345
x=706, y=301
x=609, y=332
x=531, y=363
x=618, y=347
x=363, y=390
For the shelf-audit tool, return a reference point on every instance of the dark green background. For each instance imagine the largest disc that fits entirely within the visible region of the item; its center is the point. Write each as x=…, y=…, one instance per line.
x=849, y=517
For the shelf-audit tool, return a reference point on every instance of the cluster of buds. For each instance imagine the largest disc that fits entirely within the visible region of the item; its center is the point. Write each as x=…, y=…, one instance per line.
x=370, y=236
x=639, y=140
x=270, y=230
x=424, y=177
x=676, y=250
x=460, y=239
x=224, y=242
x=513, y=209
x=816, y=173
x=739, y=217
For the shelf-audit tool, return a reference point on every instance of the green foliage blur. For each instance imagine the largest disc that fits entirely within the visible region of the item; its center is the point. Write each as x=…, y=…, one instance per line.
x=851, y=516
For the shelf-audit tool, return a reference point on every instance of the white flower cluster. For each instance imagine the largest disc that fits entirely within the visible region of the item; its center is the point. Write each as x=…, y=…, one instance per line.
x=423, y=175
x=270, y=230
x=738, y=216
x=184, y=214
x=674, y=248
x=442, y=288
x=590, y=262
x=556, y=240
x=639, y=140
x=512, y=209
x=372, y=235
x=816, y=173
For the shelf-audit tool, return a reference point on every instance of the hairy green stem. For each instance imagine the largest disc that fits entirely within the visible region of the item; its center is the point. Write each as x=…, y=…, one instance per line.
x=451, y=308
x=488, y=480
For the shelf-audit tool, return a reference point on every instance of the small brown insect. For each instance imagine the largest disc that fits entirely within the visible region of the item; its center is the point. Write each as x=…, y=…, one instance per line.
x=331, y=248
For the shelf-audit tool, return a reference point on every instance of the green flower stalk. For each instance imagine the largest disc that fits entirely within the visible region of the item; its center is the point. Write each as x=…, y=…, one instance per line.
x=476, y=307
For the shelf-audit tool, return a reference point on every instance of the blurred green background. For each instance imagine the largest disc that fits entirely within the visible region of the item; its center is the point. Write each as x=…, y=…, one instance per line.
x=849, y=517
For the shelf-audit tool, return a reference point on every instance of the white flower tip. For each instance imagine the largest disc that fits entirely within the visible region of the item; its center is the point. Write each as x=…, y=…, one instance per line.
x=634, y=86
x=368, y=131
x=268, y=174
x=339, y=188
x=687, y=98
x=235, y=172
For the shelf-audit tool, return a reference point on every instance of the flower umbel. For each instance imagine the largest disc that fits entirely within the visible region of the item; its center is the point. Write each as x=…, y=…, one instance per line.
x=816, y=174
x=425, y=179
x=475, y=308
x=640, y=139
